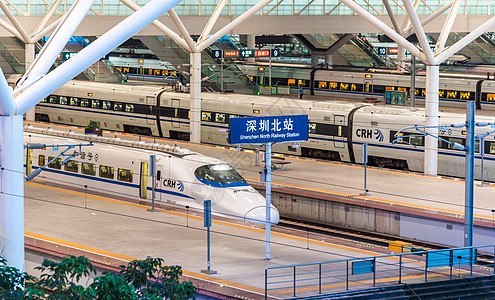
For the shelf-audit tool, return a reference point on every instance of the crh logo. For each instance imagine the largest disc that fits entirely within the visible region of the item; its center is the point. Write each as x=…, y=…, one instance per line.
x=370, y=134
x=176, y=184
x=180, y=186
x=378, y=135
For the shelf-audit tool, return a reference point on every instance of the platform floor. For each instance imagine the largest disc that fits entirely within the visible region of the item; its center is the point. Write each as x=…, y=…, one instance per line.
x=238, y=250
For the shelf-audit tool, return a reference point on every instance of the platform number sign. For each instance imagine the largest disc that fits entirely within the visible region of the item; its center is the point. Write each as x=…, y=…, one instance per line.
x=216, y=53
x=382, y=50
x=275, y=52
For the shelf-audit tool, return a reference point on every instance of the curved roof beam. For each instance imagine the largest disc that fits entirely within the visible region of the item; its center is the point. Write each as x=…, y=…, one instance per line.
x=202, y=45
x=430, y=18
x=420, y=33
x=213, y=19
x=24, y=36
x=53, y=9
x=447, y=27
x=182, y=30
x=57, y=42
x=160, y=26
x=385, y=28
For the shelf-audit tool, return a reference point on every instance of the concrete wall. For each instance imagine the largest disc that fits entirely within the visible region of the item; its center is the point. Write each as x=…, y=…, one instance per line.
x=370, y=219
x=334, y=213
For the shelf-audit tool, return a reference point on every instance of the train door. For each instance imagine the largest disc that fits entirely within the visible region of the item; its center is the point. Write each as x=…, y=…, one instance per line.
x=339, y=121
x=141, y=70
x=150, y=117
x=143, y=180
x=146, y=184
x=175, y=114
x=367, y=87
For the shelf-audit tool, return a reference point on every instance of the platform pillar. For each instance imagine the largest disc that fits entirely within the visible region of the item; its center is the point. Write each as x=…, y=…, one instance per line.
x=195, y=89
x=401, y=59
x=12, y=191
x=251, y=44
x=315, y=57
x=431, y=114
x=329, y=59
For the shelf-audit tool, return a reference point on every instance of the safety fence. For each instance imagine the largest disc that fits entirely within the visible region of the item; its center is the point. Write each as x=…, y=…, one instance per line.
x=335, y=276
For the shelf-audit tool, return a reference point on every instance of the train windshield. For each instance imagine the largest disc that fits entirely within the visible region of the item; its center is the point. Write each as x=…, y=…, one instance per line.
x=221, y=173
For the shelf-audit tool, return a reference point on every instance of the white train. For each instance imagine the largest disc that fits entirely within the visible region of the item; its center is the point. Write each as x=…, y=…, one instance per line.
x=336, y=129
x=455, y=88
x=118, y=168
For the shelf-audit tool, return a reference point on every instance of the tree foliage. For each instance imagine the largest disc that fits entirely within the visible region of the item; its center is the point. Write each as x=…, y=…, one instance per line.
x=140, y=279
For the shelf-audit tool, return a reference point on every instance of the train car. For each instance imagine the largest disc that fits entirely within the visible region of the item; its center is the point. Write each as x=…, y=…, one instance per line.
x=336, y=129
x=455, y=88
x=184, y=179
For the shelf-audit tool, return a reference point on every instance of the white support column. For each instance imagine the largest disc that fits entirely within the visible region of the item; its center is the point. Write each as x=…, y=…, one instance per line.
x=195, y=105
x=12, y=195
x=29, y=54
x=315, y=59
x=431, y=114
x=329, y=59
x=401, y=59
x=251, y=43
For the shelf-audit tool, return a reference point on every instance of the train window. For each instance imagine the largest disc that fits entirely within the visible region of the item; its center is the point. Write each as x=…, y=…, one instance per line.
x=63, y=100
x=53, y=99
x=492, y=148
x=106, y=105
x=333, y=85
x=454, y=140
x=226, y=173
x=220, y=118
x=206, y=173
x=124, y=175
x=106, y=172
x=71, y=166
x=84, y=103
x=167, y=112
x=88, y=169
x=389, y=88
x=312, y=127
x=117, y=106
x=416, y=140
x=129, y=108
x=184, y=113
x=402, y=89
x=490, y=97
x=205, y=116
x=291, y=82
x=95, y=103
x=74, y=101
x=44, y=100
x=29, y=161
x=322, y=85
x=56, y=164
x=41, y=160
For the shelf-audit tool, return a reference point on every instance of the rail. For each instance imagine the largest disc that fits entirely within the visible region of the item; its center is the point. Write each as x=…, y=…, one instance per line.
x=305, y=280
x=172, y=150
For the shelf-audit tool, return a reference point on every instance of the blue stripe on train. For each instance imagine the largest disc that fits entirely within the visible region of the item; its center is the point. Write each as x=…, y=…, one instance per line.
x=113, y=182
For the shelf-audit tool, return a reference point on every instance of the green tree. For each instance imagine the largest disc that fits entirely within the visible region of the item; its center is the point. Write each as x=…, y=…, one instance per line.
x=140, y=279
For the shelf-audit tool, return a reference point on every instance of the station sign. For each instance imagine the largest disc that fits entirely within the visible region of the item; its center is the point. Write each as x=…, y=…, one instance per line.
x=245, y=53
x=274, y=129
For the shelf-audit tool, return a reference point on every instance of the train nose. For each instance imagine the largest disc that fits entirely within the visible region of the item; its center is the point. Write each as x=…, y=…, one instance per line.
x=258, y=215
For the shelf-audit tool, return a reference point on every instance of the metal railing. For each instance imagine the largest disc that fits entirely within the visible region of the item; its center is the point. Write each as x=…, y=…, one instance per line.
x=305, y=280
x=307, y=7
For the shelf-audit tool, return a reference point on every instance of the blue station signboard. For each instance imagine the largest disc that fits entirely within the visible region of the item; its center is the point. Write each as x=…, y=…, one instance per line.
x=273, y=129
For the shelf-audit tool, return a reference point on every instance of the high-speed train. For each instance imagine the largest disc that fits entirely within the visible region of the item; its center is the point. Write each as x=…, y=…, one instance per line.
x=455, y=88
x=337, y=130
x=183, y=179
